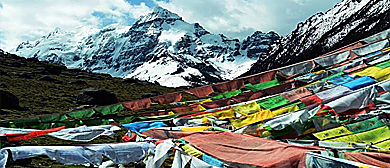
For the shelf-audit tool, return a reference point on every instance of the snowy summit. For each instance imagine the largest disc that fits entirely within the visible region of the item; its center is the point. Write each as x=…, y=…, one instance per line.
x=159, y=47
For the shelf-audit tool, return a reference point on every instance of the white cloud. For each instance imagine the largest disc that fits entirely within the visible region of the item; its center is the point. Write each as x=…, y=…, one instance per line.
x=300, y=2
x=28, y=20
x=22, y=20
x=240, y=18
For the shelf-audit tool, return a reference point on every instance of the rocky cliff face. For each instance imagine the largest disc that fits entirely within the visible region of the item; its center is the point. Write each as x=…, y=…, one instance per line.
x=347, y=22
x=159, y=47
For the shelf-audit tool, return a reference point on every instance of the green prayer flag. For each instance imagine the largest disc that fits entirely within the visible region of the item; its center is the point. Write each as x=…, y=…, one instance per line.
x=124, y=119
x=227, y=94
x=217, y=97
x=68, y=124
x=111, y=109
x=263, y=85
x=383, y=65
x=81, y=114
x=4, y=124
x=36, y=126
x=219, y=129
x=53, y=118
x=43, y=126
x=301, y=105
x=232, y=93
x=273, y=102
x=365, y=125
x=26, y=122
x=95, y=122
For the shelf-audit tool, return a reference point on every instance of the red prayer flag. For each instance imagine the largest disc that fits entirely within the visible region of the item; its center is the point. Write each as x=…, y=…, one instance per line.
x=217, y=103
x=371, y=158
x=263, y=77
x=131, y=138
x=192, y=107
x=296, y=94
x=279, y=88
x=167, y=98
x=154, y=113
x=226, y=146
x=345, y=48
x=29, y=135
x=201, y=91
x=229, y=86
x=138, y=104
x=370, y=106
x=248, y=96
x=309, y=100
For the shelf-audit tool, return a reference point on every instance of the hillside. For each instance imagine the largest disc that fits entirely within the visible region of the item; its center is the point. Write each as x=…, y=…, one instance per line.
x=345, y=23
x=41, y=92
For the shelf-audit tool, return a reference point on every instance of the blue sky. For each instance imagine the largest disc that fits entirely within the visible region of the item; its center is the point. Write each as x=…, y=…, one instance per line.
x=106, y=20
x=148, y=3
x=23, y=20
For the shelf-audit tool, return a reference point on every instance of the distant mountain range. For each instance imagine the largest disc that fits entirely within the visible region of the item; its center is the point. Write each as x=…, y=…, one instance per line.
x=162, y=48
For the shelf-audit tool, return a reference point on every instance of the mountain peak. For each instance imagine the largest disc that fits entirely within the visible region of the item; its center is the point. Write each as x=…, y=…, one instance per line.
x=159, y=9
x=57, y=30
x=160, y=47
x=159, y=13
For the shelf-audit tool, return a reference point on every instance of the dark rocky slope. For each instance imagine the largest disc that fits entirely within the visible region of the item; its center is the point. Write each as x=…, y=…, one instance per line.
x=348, y=22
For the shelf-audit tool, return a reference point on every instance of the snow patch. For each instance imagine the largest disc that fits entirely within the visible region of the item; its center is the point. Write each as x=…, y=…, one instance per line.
x=171, y=36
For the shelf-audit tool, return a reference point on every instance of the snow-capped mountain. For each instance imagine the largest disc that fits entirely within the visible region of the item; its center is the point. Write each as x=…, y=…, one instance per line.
x=345, y=23
x=159, y=47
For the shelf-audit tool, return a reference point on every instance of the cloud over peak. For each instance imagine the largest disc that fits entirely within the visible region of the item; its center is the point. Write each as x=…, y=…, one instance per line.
x=29, y=20
x=23, y=20
x=240, y=18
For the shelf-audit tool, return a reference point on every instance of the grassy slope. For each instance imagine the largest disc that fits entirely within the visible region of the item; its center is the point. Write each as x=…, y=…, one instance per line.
x=42, y=97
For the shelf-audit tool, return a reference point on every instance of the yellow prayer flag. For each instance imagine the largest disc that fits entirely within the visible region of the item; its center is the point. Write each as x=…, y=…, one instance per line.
x=192, y=151
x=384, y=144
x=221, y=114
x=372, y=136
x=375, y=72
x=252, y=118
x=247, y=109
x=320, y=71
x=201, y=108
x=205, y=101
x=285, y=110
x=332, y=133
x=200, y=128
x=386, y=49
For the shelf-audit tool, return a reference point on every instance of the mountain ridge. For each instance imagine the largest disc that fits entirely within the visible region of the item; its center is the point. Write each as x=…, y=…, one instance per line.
x=347, y=22
x=159, y=47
